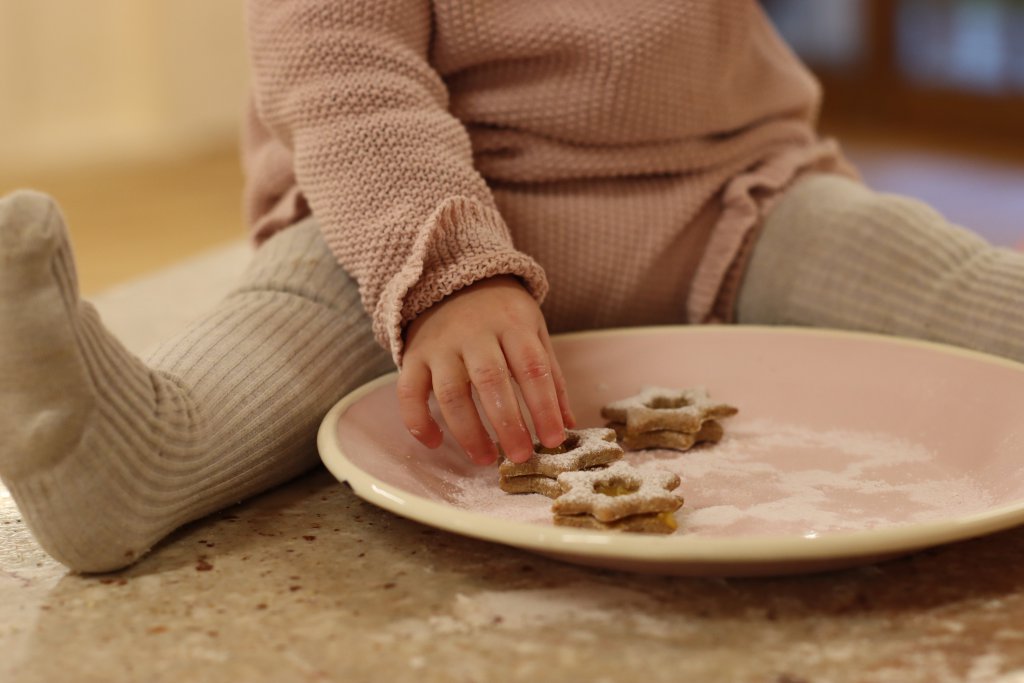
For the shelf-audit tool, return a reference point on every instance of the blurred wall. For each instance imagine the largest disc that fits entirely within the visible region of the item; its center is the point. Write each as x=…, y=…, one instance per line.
x=87, y=81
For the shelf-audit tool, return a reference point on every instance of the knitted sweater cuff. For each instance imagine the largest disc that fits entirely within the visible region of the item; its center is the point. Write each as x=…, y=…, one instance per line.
x=463, y=241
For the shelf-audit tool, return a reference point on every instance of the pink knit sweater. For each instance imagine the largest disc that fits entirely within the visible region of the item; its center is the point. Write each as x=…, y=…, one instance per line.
x=616, y=153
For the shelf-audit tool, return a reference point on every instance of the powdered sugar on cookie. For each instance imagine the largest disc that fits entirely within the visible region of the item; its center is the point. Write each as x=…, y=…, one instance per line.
x=617, y=491
x=582, y=449
x=658, y=408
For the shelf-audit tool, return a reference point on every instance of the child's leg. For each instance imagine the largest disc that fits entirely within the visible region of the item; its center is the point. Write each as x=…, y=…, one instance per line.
x=836, y=254
x=104, y=453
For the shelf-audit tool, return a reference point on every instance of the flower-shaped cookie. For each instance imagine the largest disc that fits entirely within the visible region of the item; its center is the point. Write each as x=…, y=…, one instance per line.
x=615, y=492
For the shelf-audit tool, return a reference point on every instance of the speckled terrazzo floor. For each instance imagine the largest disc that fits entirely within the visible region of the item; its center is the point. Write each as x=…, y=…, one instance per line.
x=309, y=583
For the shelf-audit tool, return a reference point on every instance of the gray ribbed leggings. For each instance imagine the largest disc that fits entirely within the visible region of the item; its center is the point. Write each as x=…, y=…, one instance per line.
x=835, y=254
x=105, y=453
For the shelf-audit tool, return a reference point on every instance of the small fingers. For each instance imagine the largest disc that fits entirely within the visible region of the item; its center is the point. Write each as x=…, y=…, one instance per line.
x=531, y=365
x=413, y=393
x=561, y=388
x=452, y=388
x=490, y=375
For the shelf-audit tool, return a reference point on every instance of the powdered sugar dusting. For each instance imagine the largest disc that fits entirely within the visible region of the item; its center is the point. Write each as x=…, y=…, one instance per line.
x=771, y=478
x=652, y=492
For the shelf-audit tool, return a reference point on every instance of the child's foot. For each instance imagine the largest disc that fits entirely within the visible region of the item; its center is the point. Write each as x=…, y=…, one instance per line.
x=87, y=432
x=105, y=455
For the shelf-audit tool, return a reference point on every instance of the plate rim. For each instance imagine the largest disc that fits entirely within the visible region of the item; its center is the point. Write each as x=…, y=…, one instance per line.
x=677, y=548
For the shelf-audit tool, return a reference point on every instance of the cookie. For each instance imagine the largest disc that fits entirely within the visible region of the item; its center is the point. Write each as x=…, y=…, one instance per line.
x=653, y=523
x=710, y=432
x=660, y=409
x=530, y=483
x=582, y=449
x=615, y=492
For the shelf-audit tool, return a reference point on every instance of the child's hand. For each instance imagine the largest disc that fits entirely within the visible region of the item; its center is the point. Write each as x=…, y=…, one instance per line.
x=484, y=336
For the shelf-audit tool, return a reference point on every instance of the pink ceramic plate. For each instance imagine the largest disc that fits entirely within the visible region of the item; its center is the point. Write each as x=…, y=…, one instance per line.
x=848, y=448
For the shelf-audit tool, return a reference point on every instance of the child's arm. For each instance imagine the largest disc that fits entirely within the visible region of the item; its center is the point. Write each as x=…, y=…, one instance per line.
x=347, y=88
x=485, y=335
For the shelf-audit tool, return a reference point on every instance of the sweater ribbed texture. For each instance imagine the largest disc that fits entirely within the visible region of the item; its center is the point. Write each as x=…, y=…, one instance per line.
x=398, y=122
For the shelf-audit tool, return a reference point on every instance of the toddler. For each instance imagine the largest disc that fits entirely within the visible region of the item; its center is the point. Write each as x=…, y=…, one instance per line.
x=435, y=185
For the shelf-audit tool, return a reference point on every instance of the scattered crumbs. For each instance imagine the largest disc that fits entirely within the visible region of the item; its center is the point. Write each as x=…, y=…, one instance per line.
x=262, y=605
x=389, y=585
x=309, y=538
x=202, y=565
x=115, y=581
x=294, y=588
x=576, y=604
x=361, y=555
x=315, y=525
x=154, y=630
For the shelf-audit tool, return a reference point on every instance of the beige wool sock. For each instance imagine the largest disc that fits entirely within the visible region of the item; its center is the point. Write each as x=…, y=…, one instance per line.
x=834, y=253
x=105, y=454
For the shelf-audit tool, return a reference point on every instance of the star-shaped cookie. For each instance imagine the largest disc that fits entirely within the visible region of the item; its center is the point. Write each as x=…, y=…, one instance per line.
x=710, y=432
x=657, y=408
x=582, y=449
x=617, y=491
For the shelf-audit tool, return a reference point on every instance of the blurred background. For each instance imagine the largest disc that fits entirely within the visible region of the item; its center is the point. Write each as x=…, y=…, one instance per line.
x=128, y=112
x=927, y=97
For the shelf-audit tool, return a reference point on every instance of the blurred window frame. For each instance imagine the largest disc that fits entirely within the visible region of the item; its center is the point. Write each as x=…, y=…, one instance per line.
x=874, y=88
